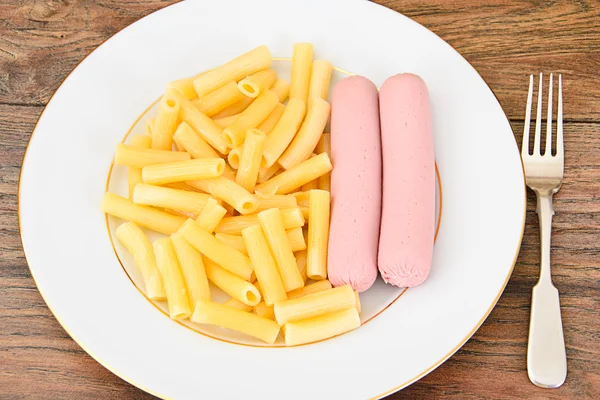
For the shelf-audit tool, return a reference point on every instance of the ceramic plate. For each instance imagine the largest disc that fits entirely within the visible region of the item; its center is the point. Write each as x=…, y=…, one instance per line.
x=91, y=286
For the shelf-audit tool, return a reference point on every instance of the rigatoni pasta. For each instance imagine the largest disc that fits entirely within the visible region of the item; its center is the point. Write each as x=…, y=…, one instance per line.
x=139, y=158
x=320, y=77
x=192, y=268
x=166, y=121
x=324, y=146
x=253, y=85
x=250, y=160
x=302, y=58
x=201, y=168
x=168, y=265
x=318, y=234
x=322, y=327
x=282, y=88
x=220, y=99
x=283, y=132
x=315, y=304
x=269, y=123
x=295, y=177
x=140, y=248
x=238, y=288
x=186, y=138
x=250, y=118
x=228, y=191
x=211, y=215
x=292, y=218
x=159, y=196
x=134, y=175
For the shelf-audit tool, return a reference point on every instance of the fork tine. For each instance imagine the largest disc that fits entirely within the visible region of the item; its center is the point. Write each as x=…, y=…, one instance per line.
x=525, y=146
x=538, y=121
x=548, y=151
x=560, y=150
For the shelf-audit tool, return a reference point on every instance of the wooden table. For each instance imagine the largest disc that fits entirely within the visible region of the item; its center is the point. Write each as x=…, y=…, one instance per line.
x=505, y=40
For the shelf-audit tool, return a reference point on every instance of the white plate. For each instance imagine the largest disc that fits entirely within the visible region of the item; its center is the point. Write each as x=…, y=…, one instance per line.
x=71, y=257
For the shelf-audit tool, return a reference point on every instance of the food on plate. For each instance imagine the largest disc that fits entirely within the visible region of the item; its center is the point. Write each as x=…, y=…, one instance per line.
x=408, y=205
x=355, y=184
x=238, y=176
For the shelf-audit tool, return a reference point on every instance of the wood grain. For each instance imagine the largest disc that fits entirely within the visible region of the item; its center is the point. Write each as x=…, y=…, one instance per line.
x=505, y=40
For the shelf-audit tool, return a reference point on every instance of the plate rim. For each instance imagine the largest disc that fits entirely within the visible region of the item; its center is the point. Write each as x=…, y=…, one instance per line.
x=378, y=396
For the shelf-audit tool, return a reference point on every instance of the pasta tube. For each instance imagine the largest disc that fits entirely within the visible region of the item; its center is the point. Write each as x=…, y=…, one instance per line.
x=234, y=109
x=264, y=173
x=160, y=196
x=269, y=123
x=274, y=231
x=235, y=241
x=284, y=131
x=295, y=177
x=250, y=160
x=318, y=234
x=294, y=235
x=134, y=175
x=192, y=267
x=233, y=303
x=282, y=88
x=168, y=265
x=186, y=138
x=166, y=121
x=250, y=118
x=218, y=100
x=140, y=248
x=320, y=77
x=318, y=286
x=207, y=312
x=292, y=218
x=223, y=255
x=253, y=85
x=234, y=156
x=265, y=268
x=201, y=168
x=226, y=121
x=308, y=136
x=296, y=238
x=239, y=289
x=234, y=70
x=302, y=58
x=315, y=304
x=276, y=201
x=140, y=158
x=148, y=217
x=201, y=123
x=211, y=215
x=320, y=328
x=265, y=311
x=301, y=263
x=228, y=191
x=324, y=146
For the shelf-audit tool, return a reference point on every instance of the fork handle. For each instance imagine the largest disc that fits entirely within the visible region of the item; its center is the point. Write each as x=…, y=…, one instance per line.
x=546, y=356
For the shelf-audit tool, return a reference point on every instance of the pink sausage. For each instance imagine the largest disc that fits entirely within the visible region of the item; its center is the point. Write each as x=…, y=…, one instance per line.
x=408, y=211
x=355, y=184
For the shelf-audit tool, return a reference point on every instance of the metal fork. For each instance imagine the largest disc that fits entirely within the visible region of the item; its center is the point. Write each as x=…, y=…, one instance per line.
x=546, y=356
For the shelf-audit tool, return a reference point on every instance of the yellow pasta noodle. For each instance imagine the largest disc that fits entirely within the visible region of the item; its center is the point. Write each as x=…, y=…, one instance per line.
x=192, y=267
x=276, y=201
x=318, y=234
x=247, y=173
x=148, y=217
x=244, y=65
x=294, y=235
x=233, y=285
x=269, y=123
x=234, y=156
x=274, y=231
x=282, y=88
x=201, y=123
x=186, y=138
x=208, y=312
x=264, y=173
x=254, y=84
x=250, y=118
x=166, y=121
x=168, y=265
x=149, y=126
x=303, y=198
x=226, y=121
x=200, y=168
x=324, y=146
x=284, y=131
x=302, y=58
x=315, y=287
x=140, y=248
x=314, y=184
x=320, y=77
x=296, y=238
x=218, y=100
x=223, y=255
x=315, y=304
x=228, y=191
x=320, y=328
x=292, y=218
x=308, y=136
x=211, y=215
x=305, y=212
x=295, y=177
x=265, y=268
x=160, y=196
x=140, y=158
x=134, y=175
x=185, y=86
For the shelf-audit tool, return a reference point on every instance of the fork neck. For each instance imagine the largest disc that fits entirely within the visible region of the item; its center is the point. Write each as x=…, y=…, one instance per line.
x=545, y=212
